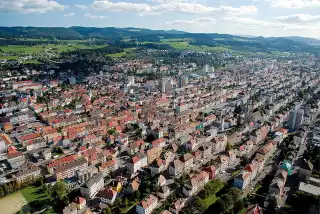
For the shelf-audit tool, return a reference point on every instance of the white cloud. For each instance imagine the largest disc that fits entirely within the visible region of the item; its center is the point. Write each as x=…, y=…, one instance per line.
x=298, y=19
x=69, y=14
x=193, y=21
x=81, y=6
x=171, y=6
x=251, y=22
x=29, y=6
x=297, y=4
x=120, y=6
x=90, y=16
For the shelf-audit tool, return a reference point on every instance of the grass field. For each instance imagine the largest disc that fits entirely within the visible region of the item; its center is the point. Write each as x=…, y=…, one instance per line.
x=8, y=57
x=12, y=203
x=42, y=48
x=36, y=197
x=121, y=54
x=210, y=200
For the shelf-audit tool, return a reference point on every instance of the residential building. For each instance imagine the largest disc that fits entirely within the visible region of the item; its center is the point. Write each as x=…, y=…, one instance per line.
x=187, y=161
x=305, y=170
x=176, y=168
x=28, y=173
x=136, y=163
x=311, y=186
x=69, y=170
x=253, y=168
x=295, y=119
x=224, y=161
x=242, y=180
x=70, y=209
x=195, y=184
x=153, y=154
x=92, y=186
x=85, y=174
x=178, y=205
x=108, y=167
x=147, y=205
x=107, y=195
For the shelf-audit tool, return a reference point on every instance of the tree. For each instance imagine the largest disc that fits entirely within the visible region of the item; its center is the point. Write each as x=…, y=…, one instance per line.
x=199, y=204
x=238, y=206
x=1, y=191
x=126, y=202
x=59, y=191
x=186, y=210
x=137, y=194
x=229, y=146
x=111, y=131
x=107, y=210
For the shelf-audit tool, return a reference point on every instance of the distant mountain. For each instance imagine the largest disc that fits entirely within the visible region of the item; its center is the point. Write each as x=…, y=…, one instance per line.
x=227, y=41
x=305, y=40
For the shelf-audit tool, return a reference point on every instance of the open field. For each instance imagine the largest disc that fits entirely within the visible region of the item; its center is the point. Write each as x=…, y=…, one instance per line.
x=121, y=54
x=12, y=203
x=42, y=48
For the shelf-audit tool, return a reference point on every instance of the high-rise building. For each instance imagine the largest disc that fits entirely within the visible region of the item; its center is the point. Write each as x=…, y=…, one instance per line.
x=183, y=81
x=295, y=119
x=166, y=85
x=130, y=80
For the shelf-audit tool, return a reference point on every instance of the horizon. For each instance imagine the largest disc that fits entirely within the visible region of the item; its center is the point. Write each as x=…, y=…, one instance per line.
x=267, y=18
x=238, y=35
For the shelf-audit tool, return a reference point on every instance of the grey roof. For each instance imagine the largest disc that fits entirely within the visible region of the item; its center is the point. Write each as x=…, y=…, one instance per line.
x=95, y=179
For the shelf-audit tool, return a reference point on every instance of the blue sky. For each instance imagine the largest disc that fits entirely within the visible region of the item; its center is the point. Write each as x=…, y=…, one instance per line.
x=240, y=17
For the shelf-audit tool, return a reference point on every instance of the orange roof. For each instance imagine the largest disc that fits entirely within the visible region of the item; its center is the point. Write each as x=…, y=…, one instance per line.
x=62, y=161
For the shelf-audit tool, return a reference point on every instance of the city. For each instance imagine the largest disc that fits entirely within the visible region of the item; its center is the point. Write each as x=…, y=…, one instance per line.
x=110, y=120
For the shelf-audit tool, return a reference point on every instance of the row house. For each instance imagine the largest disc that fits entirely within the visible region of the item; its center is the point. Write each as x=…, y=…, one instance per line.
x=69, y=170
x=195, y=184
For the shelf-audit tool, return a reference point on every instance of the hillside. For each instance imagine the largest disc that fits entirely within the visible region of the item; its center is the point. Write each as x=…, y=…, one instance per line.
x=212, y=40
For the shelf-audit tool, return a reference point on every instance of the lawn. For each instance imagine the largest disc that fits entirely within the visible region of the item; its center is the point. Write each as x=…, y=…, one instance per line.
x=37, y=199
x=210, y=200
x=12, y=203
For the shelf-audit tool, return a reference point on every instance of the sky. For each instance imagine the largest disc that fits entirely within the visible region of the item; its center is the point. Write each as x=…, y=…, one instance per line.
x=239, y=17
